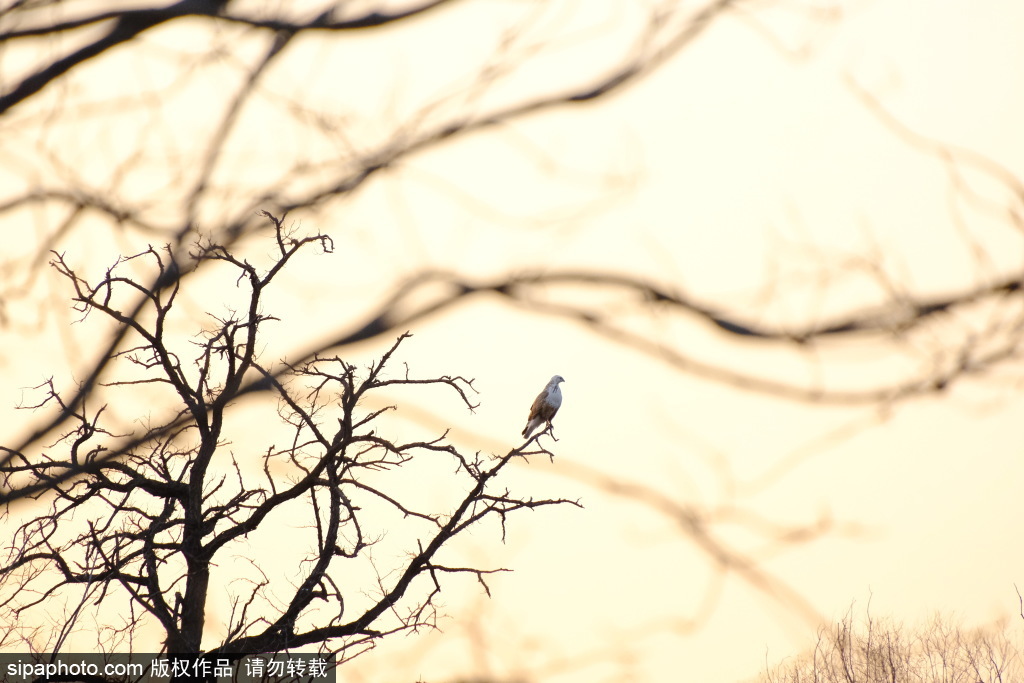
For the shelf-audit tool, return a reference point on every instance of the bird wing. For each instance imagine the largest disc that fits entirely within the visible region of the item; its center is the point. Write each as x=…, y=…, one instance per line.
x=539, y=405
x=551, y=406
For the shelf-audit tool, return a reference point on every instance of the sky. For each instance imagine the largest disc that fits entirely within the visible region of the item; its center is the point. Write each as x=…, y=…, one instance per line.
x=749, y=171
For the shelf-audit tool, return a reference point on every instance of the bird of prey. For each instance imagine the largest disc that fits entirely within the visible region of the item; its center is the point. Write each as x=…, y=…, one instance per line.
x=544, y=406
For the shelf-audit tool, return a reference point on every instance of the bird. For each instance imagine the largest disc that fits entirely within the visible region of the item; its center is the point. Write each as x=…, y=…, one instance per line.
x=544, y=406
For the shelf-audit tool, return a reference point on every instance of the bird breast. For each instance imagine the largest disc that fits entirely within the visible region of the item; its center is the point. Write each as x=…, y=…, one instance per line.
x=555, y=397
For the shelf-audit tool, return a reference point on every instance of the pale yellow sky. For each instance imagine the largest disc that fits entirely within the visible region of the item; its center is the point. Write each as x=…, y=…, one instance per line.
x=731, y=166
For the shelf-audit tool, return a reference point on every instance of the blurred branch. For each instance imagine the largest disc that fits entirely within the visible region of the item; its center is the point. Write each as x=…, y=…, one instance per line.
x=395, y=315
x=666, y=33
x=954, y=158
x=130, y=23
x=696, y=525
x=896, y=319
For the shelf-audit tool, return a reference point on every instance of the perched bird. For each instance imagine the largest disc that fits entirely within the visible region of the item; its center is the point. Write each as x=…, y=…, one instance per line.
x=544, y=406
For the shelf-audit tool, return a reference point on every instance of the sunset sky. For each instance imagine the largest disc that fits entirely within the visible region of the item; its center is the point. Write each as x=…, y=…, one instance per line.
x=797, y=161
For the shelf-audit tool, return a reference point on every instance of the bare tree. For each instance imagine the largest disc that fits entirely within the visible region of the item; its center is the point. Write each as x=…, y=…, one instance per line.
x=878, y=651
x=150, y=531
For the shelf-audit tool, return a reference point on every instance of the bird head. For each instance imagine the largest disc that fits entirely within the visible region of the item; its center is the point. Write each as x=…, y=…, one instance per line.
x=556, y=380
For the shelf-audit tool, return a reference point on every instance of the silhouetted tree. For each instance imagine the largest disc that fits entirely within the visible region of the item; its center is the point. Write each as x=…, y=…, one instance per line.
x=140, y=532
